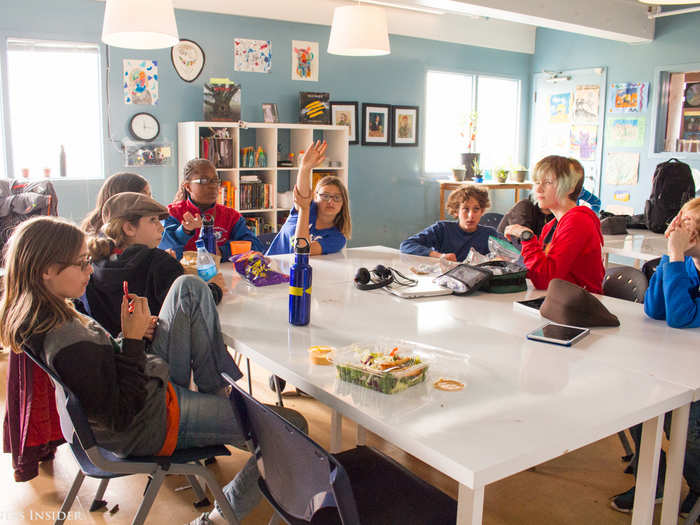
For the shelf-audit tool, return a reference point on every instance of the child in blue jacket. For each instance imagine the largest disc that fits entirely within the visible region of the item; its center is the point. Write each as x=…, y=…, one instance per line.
x=674, y=296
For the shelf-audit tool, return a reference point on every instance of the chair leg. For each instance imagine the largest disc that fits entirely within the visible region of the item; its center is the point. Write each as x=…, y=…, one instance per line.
x=201, y=497
x=149, y=496
x=693, y=515
x=70, y=498
x=224, y=504
x=98, y=502
x=278, y=389
x=250, y=379
x=275, y=519
x=629, y=453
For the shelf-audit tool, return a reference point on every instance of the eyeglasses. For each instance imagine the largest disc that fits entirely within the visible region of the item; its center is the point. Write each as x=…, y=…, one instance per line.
x=83, y=265
x=327, y=197
x=207, y=182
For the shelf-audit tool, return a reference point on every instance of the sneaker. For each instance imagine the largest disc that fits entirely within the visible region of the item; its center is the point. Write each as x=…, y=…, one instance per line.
x=625, y=501
x=688, y=503
x=203, y=519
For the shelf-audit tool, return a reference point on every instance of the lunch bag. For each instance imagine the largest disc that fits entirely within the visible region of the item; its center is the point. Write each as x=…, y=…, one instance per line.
x=506, y=277
x=671, y=187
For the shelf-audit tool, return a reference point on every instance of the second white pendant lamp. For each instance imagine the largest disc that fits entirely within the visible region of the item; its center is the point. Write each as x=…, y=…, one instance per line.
x=139, y=24
x=359, y=30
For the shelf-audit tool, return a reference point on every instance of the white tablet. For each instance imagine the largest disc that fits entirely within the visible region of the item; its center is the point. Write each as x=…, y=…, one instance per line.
x=558, y=334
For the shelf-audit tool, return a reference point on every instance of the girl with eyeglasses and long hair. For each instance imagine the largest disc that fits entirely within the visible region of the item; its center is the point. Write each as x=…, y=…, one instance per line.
x=321, y=217
x=137, y=403
x=196, y=198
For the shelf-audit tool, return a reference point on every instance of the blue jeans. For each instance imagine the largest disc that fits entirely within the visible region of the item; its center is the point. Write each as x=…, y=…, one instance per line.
x=691, y=465
x=189, y=338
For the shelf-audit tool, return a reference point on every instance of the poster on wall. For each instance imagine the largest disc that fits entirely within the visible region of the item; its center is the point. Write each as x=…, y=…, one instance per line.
x=628, y=97
x=622, y=168
x=305, y=60
x=583, y=141
x=559, y=107
x=586, y=104
x=554, y=142
x=314, y=108
x=252, y=56
x=625, y=132
x=140, y=81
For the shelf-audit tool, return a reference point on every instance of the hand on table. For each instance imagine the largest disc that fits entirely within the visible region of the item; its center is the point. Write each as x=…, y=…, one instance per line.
x=446, y=256
x=219, y=281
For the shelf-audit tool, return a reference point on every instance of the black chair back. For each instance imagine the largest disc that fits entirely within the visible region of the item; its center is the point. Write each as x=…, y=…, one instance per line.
x=297, y=475
x=625, y=282
x=492, y=219
x=649, y=267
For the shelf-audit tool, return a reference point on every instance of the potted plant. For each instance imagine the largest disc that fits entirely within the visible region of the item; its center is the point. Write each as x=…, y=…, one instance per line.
x=459, y=173
x=501, y=174
x=518, y=173
x=477, y=172
x=470, y=158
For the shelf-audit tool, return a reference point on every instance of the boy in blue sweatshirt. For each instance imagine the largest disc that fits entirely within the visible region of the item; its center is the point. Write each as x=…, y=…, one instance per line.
x=453, y=240
x=674, y=296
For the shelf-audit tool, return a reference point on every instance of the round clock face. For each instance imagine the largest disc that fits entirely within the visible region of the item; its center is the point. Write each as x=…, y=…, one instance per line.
x=692, y=95
x=144, y=126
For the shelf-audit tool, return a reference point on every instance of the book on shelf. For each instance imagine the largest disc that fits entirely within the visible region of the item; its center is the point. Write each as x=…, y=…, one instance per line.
x=250, y=178
x=227, y=194
x=257, y=224
x=255, y=195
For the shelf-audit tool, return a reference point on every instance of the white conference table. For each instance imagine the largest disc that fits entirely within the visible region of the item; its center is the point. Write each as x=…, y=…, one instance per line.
x=640, y=245
x=524, y=402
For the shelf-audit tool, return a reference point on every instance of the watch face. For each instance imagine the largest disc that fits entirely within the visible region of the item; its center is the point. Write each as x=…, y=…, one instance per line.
x=144, y=126
x=692, y=95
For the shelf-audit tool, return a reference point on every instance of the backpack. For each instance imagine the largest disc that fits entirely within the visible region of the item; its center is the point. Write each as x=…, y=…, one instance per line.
x=20, y=200
x=671, y=187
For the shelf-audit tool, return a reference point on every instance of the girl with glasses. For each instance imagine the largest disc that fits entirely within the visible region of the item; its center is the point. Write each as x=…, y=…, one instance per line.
x=196, y=198
x=321, y=217
x=569, y=246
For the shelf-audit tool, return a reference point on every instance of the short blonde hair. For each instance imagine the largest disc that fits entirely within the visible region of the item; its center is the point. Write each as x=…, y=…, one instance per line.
x=454, y=202
x=693, y=206
x=567, y=172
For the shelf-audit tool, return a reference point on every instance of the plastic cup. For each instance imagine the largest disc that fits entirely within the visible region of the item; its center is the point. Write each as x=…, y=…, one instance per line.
x=240, y=247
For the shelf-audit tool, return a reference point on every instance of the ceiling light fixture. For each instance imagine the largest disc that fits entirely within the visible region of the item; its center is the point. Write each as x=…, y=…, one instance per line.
x=359, y=30
x=136, y=24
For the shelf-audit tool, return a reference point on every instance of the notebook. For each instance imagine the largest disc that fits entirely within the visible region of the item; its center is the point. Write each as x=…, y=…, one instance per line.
x=425, y=288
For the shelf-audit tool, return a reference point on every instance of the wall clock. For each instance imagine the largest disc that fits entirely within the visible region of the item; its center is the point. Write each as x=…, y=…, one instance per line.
x=144, y=126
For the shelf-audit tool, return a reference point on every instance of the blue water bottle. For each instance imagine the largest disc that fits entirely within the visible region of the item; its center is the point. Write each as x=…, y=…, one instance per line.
x=206, y=233
x=300, y=285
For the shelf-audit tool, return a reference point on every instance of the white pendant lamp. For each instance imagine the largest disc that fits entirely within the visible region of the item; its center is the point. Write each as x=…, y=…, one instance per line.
x=139, y=24
x=359, y=30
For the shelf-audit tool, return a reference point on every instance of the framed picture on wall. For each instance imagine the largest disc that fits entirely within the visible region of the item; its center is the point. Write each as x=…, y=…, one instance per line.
x=269, y=111
x=376, y=124
x=188, y=59
x=345, y=114
x=404, y=124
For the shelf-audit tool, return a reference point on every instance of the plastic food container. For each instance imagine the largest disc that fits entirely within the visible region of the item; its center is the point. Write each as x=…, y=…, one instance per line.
x=351, y=364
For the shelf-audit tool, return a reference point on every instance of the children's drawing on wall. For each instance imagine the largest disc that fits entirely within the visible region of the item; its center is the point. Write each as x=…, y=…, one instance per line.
x=188, y=59
x=140, y=81
x=622, y=168
x=625, y=132
x=554, y=141
x=628, y=97
x=253, y=56
x=559, y=107
x=305, y=60
x=622, y=196
x=584, y=139
x=590, y=179
x=586, y=104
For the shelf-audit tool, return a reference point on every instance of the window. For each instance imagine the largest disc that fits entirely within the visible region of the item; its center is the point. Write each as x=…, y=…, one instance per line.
x=451, y=99
x=54, y=103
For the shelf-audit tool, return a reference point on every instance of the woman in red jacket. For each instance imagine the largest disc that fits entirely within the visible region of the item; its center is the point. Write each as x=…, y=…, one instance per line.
x=570, y=246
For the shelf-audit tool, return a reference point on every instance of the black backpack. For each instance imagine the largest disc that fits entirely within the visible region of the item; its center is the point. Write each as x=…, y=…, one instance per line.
x=671, y=187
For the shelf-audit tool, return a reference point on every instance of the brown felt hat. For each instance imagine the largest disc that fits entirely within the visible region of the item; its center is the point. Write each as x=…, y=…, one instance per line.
x=567, y=303
x=613, y=225
x=131, y=204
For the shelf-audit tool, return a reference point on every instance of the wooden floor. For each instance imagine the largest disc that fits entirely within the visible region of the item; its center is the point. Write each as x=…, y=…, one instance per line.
x=572, y=489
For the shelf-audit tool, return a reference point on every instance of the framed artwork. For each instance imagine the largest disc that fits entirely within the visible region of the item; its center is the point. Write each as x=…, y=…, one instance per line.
x=314, y=108
x=253, y=56
x=404, y=125
x=188, y=59
x=305, y=60
x=269, y=111
x=345, y=114
x=376, y=124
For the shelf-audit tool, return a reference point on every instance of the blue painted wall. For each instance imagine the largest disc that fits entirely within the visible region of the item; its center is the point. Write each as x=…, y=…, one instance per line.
x=676, y=42
x=391, y=196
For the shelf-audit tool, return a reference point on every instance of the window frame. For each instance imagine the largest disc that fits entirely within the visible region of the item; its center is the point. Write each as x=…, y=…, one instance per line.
x=474, y=104
x=5, y=109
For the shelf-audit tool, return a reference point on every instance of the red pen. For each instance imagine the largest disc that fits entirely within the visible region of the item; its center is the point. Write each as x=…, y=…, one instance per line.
x=126, y=292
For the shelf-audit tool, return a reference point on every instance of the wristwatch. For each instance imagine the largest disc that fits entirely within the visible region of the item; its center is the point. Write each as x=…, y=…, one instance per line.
x=527, y=235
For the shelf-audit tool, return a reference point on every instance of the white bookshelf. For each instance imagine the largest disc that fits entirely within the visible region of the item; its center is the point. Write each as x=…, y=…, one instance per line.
x=291, y=138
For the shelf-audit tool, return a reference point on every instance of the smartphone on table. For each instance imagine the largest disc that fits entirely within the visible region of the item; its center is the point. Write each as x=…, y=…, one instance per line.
x=558, y=334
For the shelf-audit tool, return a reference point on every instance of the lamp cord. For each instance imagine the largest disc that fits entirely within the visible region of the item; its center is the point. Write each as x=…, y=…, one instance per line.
x=112, y=140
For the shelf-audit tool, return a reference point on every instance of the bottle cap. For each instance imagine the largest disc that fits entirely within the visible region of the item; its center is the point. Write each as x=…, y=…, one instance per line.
x=302, y=246
x=208, y=220
x=199, y=243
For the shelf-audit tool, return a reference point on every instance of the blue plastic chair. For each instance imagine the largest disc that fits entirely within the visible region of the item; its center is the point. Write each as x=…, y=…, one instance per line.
x=492, y=219
x=305, y=484
x=97, y=462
